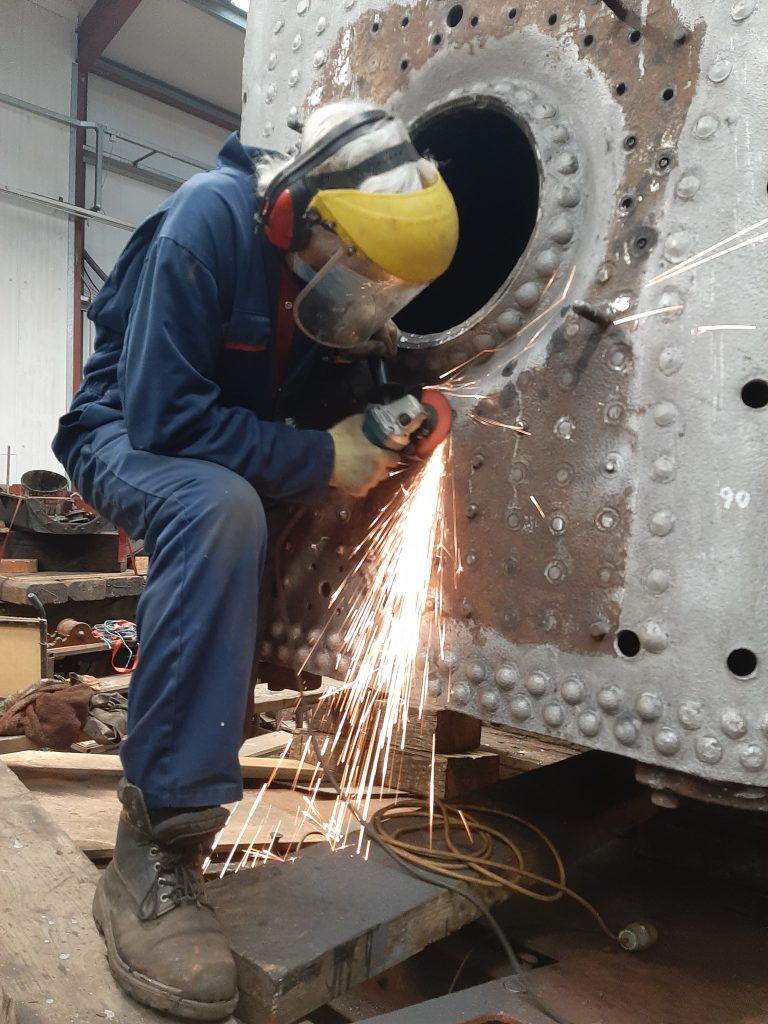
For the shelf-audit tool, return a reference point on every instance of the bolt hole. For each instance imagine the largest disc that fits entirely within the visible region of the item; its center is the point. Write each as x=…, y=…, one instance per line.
x=742, y=662
x=641, y=243
x=627, y=203
x=437, y=39
x=405, y=64
x=474, y=21
x=628, y=643
x=630, y=142
x=755, y=394
x=512, y=13
x=663, y=163
x=668, y=94
x=552, y=19
x=636, y=36
x=405, y=21
x=375, y=26
x=454, y=16
x=326, y=589
x=621, y=88
x=588, y=40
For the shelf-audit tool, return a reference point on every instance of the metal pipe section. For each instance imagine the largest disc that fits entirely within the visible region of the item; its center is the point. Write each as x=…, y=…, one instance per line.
x=66, y=208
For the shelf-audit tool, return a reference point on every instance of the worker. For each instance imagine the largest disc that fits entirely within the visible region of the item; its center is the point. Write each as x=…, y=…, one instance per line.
x=178, y=435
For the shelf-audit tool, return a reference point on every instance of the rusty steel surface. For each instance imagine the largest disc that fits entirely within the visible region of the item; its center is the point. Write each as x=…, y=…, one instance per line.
x=588, y=155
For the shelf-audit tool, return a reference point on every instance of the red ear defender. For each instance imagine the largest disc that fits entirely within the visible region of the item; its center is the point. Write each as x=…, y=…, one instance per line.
x=280, y=225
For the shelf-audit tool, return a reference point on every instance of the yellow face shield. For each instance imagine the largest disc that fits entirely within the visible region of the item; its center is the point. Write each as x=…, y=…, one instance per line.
x=412, y=235
x=394, y=246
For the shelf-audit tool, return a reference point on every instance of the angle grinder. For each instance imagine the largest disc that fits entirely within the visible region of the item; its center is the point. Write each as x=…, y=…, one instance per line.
x=414, y=423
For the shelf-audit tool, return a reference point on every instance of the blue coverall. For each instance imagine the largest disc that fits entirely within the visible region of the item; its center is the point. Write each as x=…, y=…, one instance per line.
x=176, y=435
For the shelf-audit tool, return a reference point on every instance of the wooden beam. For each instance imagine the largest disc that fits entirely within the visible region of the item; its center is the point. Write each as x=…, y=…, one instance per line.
x=52, y=963
x=99, y=27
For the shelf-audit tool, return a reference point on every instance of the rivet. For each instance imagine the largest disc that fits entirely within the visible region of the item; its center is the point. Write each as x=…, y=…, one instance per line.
x=537, y=683
x=460, y=693
x=567, y=163
x=344, y=515
x=435, y=687
x=709, y=749
x=477, y=460
x=661, y=523
x=559, y=134
x=560, y=230
x=752, y=757
x=546, y=263
x=269, y=93
x=720, y=69
x=473, y=510
x=296, y=42
x=609, y=699
x=605, y=273
x=334, y=641
x=471, y=559
x=283, y=654
x=608, y=576
x=677, y=245
x=555, y=571
x=322, y=25
x=657, y=581
x=626, y=730
x=266, y=649
x=553, y=715
x=733, y=723
x=323, y=661
x=614, y=413
x=293, y=77
x=523, y=96
x=599, y=628
x=653, y=637
x=557, y=523
x=302, y=655
x=664, y=414
x=690, y=714
x=515, y=519
x=706, y=126
x=295, y=634
x=567, y=379
x=313, y=637
x=520, y=708
x=268, y=129
x=564, y=474
x=687, y=187
x=476, y=671
x=664, y=469
x=449, y=661
x=649, y=707
x=279, y=24
x=573, y=690
x=277, y=629
x=565, y=427
x=508, y=323
x=489, y=700
x=272, y=61
x=620, y=357
x=612, y=464
x=319, y=58
x=348, y=4
x=511, y=566
x=545, y=111
x=741, y=9
x=506, y=676
x=671, y=360
x=302, y=7
x=589, y=723
x=667, y=742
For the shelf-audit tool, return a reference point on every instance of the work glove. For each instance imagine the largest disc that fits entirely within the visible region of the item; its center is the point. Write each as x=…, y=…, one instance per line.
x=383, y=345
x=358, y=465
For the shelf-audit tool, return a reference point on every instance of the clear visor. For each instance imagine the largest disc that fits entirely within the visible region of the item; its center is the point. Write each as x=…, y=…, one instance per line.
x=350, y=299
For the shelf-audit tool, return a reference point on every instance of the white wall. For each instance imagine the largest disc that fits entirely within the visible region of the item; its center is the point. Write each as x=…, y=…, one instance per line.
x=37, y=51
x=37, y=45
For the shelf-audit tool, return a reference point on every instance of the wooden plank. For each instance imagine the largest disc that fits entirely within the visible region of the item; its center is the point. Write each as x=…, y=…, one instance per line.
x=18, y=565
x=342, y=919
x=454, y=733
x=52, y=963
x=495, y=1001
x=455, y=775
x=267, y=744
x=521, y=751
x=11, y=744
x=57, y=588
x=22, y=653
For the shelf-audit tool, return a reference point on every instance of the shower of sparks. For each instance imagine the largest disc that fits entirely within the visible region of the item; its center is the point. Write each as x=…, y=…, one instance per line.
x=707, y=328
x=538, y=507
x=488, y=422
x=648, y=313
x=715, y=251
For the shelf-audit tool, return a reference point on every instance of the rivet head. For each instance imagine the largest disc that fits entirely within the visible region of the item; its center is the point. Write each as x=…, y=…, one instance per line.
x=344, y=515
x=268, y=130
x=626, y=730
x=664, y=469
x=449, y=662
x=295, y=634
x=471, y=559
x=293, y=77
x=664, y=414
x=460, y=693
x=706, y=126
x=565, y=427
x=720, y=69
x=649, y=707
x=607, y=519
x=277, y=629
x=741, y=9
x=508, y=323
x=589, y=723
x=690, y=714
x=296, y=42
x=506, y=676
x=709, y=749
x=733, y=723
x=687, y=187
x=677, y=245
x=334, y=641
x=567, y=163
x=537, y=683
x=435, y=687
x=278, y=27
x=559, y=134
x=657, y=581
x=609, y=699
x=283, y=654
x=527, y=295
x=555, y=571
x=553, y=715
x=272, y=61
x=614, y=413
x=557, y=523
x=564, y=474
x=270, y=93
x=520, y=708
x=476, y=671
x=322, y=25
x=560, y=230
x=515, y=519
x=653, y=636
x=569, y=197
x=320, y=57
x=661, y=523
x=670, y=360
x=323, y=661
x=489, y=700
x=473, y=510
x=265, y=650
x=752, y=757
x=573, y=690
x=667, y=742
x=545, y=111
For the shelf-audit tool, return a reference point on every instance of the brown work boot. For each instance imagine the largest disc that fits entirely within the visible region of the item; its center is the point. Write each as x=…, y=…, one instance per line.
x=164, y=944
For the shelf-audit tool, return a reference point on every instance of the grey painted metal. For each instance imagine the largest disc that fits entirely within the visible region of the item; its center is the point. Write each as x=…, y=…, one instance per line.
x=66, y=208
x=649, y=466
x=128, y=169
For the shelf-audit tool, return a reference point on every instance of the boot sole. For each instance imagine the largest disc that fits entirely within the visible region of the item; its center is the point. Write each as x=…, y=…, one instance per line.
x=146, y=991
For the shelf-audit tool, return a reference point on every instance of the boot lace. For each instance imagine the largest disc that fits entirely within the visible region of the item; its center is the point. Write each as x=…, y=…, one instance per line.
x=177, y=880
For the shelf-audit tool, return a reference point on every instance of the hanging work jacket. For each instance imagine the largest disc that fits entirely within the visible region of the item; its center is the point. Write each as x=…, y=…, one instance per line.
x=186, y=357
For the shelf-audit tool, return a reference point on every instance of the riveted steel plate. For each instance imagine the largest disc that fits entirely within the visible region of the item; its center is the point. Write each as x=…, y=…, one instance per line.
x=625, y=608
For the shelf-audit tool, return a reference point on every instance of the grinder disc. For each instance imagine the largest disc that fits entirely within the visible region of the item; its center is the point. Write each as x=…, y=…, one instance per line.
x=439, y=421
